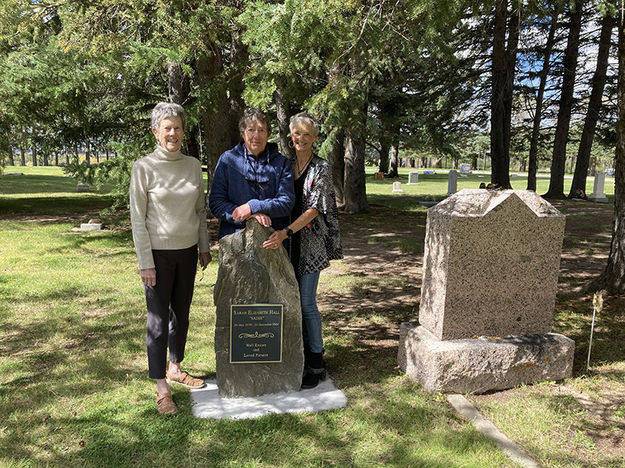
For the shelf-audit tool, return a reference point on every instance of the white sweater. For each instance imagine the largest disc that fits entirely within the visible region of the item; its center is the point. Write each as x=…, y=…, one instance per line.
x=167, y=205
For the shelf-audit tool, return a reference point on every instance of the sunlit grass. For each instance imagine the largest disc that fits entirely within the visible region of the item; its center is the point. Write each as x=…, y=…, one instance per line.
x=74, y=389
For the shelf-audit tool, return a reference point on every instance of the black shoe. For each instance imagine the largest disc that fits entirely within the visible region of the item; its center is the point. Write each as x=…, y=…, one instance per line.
x=315, y=371
x=312, y=379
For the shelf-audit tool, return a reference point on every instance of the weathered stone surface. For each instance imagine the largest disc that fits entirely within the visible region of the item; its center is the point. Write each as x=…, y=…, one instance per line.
x=250, y=274
x=491, y=264
x=480, y=365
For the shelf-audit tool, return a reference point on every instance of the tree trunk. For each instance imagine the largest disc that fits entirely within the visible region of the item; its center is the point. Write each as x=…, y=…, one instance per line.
x=106, y=151
x=88, y=152
x=77, y=154
x=385, y=147
x=66, y=154
x=217, y=127
x=336, y=159
x=613, y=277
x=533, y=155
x=355, y=195
x=569, y=63
x=35, y=156
x=178, y=84
x=594, y=107
x=499, y=153
x=283, y=113
x=179, y=90
x=23, y=155
x=514, y=24
x=56, y=158
x=11, y=160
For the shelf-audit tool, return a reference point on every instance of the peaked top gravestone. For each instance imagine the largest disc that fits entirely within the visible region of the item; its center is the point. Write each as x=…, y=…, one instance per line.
x=251, y=275
x=491, y=264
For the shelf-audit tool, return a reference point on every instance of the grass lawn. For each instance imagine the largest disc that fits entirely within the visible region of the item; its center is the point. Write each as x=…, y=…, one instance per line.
x=74, y=389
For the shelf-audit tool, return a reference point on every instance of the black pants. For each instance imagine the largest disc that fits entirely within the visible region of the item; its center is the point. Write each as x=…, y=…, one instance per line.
x=168, y=307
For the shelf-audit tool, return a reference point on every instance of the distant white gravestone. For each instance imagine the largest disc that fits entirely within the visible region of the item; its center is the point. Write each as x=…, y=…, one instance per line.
x=598, y=188
x=452, y=182
x=397, y=187
x=413, y=178
x=465, y=168
x=490, y=274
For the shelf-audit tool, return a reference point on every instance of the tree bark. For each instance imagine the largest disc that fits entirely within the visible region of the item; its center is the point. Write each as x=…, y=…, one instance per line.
x=35, y=156
x=569, y=63
x=178, y=84
x=23, y=155
x=533, y=155
x=613, y=277
x=11, y=160
x=220, y=129
x=497, y=115
x=283, y=113
x=88, y=152
x=594, y=107
x=503, y=64
x=385, y=147
x=355, y=195
x=336, y=159
x=179, y=89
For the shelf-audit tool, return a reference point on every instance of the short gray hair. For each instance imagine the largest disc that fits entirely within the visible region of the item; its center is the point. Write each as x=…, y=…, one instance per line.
x=253, y=113
x=306, y=119
x=165, y=110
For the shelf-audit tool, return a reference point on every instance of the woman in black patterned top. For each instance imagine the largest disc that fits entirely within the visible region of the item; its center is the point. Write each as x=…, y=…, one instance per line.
x=314, y=234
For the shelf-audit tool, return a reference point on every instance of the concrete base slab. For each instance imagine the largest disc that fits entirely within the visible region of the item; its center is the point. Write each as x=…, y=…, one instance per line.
x=483, y=364
x=600, y=198
x=208, y=404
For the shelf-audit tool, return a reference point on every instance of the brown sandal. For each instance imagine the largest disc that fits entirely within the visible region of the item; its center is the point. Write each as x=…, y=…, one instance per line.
x=165, y=404
x=185, y=379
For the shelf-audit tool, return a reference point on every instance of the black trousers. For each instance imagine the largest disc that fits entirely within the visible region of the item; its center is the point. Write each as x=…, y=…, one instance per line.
x=168, y=307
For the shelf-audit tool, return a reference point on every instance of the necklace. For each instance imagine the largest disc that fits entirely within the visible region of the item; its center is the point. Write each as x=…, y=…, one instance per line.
x=299, y=169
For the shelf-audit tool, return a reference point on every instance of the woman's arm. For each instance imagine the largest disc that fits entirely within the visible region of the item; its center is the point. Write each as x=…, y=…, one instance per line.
x=275, y=239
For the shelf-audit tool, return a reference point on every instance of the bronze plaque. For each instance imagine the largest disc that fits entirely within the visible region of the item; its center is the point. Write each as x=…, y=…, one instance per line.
x=255, y=333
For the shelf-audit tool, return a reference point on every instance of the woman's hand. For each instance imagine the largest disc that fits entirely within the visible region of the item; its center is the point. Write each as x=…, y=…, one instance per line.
x=275, y=239
x=205, y=259
x=262, y=218
x=148, y=276
x=241, y=213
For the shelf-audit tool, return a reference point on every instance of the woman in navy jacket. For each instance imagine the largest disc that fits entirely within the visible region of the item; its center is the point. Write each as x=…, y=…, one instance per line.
x=252, y=180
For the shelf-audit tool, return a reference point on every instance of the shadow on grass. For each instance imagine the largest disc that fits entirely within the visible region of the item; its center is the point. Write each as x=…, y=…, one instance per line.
x=58, y=206
x=575, y=320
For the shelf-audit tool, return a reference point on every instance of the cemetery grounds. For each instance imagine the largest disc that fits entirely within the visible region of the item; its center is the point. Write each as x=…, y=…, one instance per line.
x=74, y=389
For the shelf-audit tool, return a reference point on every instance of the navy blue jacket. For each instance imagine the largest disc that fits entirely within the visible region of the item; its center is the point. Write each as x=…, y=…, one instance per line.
x=265, y=182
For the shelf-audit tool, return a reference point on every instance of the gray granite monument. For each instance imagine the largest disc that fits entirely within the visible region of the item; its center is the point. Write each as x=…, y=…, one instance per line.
x=413, y=178
x=258, y=330
x=490, y=273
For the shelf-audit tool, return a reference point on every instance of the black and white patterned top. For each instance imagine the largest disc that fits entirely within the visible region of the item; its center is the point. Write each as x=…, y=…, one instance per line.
x=320, y=239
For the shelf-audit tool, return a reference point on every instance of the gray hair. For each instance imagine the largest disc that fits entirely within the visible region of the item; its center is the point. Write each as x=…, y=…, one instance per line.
x=165, y=110
x=253, y=113
x=304, y=118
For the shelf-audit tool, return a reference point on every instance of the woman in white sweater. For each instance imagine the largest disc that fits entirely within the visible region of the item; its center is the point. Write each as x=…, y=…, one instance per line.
x=168, y=216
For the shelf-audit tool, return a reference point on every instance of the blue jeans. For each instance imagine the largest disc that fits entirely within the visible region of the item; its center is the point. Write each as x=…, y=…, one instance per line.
x=311, y=319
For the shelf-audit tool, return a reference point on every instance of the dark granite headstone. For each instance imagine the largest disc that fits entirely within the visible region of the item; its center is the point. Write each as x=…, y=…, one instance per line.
x=253, y=278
